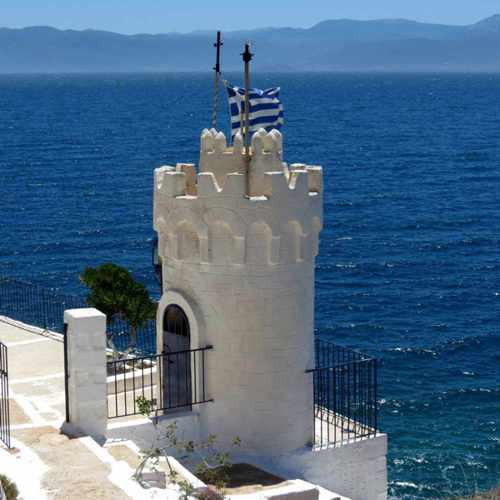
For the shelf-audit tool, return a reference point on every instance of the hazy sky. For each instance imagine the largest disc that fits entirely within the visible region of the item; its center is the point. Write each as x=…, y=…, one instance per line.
x=154, y=16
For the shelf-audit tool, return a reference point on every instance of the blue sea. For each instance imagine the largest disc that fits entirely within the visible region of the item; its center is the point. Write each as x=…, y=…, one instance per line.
x=409, y=268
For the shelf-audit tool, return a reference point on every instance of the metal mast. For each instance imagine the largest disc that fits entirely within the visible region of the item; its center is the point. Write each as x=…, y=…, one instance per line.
x=247, y=57
x=218, y=44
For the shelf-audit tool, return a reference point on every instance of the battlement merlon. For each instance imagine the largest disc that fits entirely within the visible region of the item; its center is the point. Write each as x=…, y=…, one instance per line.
x=221, y=167
x=278, y=199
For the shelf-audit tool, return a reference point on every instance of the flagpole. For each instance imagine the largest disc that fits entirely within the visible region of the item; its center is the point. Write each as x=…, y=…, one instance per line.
x=218, y=44
x=247, y=57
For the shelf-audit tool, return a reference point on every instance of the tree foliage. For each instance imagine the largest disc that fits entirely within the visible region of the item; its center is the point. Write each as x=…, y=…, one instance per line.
x=114, y=291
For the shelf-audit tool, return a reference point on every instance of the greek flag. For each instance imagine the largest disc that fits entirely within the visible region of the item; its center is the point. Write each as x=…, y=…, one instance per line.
x=266, y=110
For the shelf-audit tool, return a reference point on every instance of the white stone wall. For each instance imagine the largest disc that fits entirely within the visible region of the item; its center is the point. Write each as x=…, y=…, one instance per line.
x=144, y=434
x=357, y=470
x=245, y=266
x=87, y=388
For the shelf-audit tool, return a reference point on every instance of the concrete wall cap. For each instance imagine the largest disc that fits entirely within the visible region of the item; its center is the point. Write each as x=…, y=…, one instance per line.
x=88, y=312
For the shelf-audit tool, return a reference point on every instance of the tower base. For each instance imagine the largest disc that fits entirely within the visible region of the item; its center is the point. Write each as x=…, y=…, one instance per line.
x=357, y=470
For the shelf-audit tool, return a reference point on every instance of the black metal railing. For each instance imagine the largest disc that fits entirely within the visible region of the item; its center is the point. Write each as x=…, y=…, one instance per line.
x=345, y=395
x=118, y=333
x=35, y=305
x=168, y=381
x=4, y=396
x=44, y=308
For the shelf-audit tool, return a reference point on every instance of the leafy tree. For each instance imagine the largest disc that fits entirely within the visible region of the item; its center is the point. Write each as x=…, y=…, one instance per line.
x=117, y=294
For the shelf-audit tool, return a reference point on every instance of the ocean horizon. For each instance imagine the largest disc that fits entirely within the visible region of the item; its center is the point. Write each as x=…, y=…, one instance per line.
x=408, y=269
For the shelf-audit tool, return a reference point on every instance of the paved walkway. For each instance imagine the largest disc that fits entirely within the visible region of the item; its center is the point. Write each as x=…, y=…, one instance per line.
x=68, y=468
x=36, y=377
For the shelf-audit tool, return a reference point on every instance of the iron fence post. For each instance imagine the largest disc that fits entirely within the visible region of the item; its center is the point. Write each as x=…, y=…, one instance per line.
x=66, y=371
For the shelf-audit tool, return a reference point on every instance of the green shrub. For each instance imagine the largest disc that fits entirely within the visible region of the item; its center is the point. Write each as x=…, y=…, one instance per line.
x=9, y=488
x=114, y=291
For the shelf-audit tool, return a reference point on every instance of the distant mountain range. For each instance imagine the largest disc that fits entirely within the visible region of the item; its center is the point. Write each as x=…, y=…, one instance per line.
x=338, y=45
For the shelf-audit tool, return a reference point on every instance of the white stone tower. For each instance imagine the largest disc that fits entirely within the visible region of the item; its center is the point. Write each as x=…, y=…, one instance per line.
x=238, y=255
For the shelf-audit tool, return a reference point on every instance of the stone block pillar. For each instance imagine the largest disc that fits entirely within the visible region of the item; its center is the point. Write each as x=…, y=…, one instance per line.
x=87, y=391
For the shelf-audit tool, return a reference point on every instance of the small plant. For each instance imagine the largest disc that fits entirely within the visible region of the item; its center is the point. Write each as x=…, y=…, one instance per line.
x=212, y=467
x=9, y=488
x=117, y=294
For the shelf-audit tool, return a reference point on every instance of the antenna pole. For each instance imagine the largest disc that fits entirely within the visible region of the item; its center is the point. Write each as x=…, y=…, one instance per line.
x=218, y=44
x=247, y=57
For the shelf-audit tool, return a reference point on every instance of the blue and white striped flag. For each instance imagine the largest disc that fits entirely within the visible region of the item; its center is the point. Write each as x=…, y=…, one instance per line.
x=266, y=110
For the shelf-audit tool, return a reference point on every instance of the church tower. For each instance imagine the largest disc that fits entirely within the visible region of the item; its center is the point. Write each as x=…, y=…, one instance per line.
x=237, y=244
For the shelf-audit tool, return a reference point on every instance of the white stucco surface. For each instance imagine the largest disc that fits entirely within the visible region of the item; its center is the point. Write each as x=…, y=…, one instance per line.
x=144, y=434
x=87, y=372
x=238, y=245
x=242, y=268
x=356, y=470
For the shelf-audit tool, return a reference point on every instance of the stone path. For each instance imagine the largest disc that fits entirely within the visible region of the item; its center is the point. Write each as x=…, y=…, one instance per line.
x=74, y=468
x=74, y=471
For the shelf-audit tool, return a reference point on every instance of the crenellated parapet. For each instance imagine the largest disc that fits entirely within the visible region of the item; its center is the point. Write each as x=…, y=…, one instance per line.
x=219, y=216
x=219, y=158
